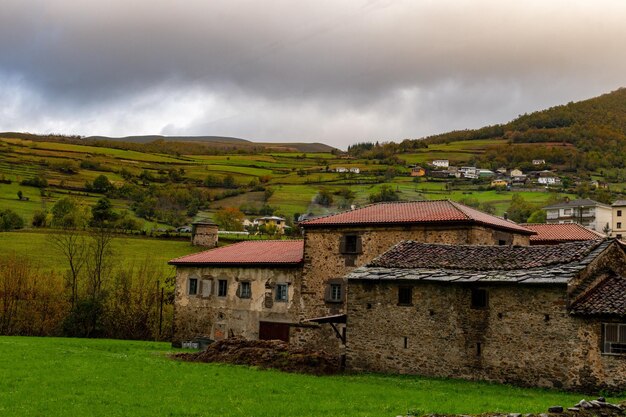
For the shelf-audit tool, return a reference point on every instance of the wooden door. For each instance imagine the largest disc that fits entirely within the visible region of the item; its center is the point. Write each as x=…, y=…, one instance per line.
x=274, y=331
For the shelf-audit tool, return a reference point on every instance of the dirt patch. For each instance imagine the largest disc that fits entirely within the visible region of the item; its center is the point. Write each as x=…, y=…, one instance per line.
x=273, y=354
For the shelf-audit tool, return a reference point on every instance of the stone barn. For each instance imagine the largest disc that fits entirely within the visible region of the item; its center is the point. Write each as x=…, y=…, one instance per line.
x=550, y=316
x=204, y=233
x=247, y=289
x=338, y=243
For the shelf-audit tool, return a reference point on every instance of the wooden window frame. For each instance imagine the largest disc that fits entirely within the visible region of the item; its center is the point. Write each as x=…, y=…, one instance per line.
x=617, y=345
x=193, y=280
x=355, y=249
x=219, y=291
x=329, y=289
x=279, y=294
x=240, y=290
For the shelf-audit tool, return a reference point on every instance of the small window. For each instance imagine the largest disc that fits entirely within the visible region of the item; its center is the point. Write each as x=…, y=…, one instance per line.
x=502, y=242
x=479, y=298
x=567, y=212
x=281, y=292
x=335, y=293
x=193, y=286
x=222, y=287
x=619, y=236
x=350, y=244
x=245, y=289
x=619, y=225
x=619, y=213
x=405, y=296
x=614, y=338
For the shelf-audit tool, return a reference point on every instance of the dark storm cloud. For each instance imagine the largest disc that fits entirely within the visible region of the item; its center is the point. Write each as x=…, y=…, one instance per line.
x=319, y=70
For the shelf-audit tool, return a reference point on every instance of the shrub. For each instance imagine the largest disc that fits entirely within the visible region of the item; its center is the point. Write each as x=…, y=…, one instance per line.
x=10, y=220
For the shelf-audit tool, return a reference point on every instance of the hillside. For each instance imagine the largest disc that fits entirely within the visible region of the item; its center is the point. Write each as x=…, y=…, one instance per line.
x=586, y=135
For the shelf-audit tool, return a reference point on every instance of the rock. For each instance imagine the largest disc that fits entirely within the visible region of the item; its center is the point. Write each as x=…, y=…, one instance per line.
x=573, y=409
x=601, y=399
x=514, y=415
x=596, y=404
x=543, y=415
x=555, y=409
x=584, y=404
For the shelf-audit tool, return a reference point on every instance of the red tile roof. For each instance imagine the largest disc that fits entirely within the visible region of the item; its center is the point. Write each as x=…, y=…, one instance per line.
x=568, y=232
x=260, y=252
x=438, y=211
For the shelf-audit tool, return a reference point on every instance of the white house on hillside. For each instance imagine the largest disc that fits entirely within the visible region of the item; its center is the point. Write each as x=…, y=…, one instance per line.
x=441, y=163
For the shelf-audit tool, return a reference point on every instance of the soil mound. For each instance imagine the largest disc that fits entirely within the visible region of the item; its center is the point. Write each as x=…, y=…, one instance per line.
x=273, y=354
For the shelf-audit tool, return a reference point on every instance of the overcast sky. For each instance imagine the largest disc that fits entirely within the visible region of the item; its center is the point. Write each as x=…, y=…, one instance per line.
x=331, y=71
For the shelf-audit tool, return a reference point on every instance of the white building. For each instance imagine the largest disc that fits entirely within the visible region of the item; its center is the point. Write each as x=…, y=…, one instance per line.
x=589, y=213
x=355, y=170
x=341, y=169
x=441, y=163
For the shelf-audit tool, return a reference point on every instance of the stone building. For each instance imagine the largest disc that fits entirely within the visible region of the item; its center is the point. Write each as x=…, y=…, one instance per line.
x=204, y=233
x=247, y=289
x=551, y=316
x=336, y=244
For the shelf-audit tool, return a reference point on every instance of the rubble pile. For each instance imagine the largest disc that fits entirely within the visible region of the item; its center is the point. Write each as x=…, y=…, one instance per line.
x=594, y=408
x=273, y=354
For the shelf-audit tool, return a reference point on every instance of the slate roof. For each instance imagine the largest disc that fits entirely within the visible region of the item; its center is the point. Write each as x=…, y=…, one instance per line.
x=567, y=232
x=410, y=260
x=576, y=203
x=619, y=203
x=260, y=252
x=607, y=298
x=412, y=212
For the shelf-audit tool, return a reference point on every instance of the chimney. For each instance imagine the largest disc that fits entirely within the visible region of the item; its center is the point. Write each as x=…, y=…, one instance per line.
x=506, y=216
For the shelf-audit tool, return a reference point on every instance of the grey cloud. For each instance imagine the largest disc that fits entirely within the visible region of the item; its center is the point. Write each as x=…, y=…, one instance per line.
x=315, y=70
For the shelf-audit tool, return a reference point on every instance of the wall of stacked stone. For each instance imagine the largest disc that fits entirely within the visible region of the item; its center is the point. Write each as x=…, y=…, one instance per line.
x=525, y=336
x=219, y=317
x=323, y=260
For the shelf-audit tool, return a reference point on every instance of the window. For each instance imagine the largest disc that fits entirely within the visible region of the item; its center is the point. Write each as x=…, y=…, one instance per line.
x=335, y=292
x=614, y=338
x=502, y=242
x=405, y=296
x=193, y=286
x=619, y=236
x=222, y=287
x=619, y=213
x=619, y=225
x=567, y=212
x=479, y=298
x=350, y=244
x=281, y=292
x=245, y=289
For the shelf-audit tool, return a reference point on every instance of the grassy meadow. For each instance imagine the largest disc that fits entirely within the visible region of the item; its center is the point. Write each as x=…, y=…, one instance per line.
x=98, y=377
x=127, y=249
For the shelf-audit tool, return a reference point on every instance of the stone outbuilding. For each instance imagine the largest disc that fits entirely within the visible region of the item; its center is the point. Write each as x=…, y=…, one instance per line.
x=247, y=289
x=338, y=243
x=551, y=316
x=204, y=233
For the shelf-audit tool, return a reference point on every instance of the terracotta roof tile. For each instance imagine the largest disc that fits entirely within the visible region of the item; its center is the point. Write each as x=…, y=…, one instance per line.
x=606, y=298
x=438, y=211
x=411, y=254
x=267, y=252
x=568, y=232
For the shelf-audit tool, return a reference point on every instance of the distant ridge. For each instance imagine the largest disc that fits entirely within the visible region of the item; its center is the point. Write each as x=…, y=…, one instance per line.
x=217, y=142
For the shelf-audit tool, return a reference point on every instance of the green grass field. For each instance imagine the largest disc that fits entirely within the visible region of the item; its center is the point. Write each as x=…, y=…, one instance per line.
x=128, y=249
x=89, y=377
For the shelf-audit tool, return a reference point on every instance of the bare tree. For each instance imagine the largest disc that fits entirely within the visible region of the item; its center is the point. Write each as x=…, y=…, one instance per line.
x=99, y=260
x=71, y=244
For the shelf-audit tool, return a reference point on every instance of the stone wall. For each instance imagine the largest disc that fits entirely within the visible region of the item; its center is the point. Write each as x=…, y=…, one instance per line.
x=323, y=260
x=525, y=335
x=204, y=235
x=217, y=317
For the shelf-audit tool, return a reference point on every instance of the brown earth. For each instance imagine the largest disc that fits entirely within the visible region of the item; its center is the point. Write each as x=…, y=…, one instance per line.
x=273, y=354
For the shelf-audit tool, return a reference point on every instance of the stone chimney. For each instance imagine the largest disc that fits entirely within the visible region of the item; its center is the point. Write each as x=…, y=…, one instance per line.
x=204, y=233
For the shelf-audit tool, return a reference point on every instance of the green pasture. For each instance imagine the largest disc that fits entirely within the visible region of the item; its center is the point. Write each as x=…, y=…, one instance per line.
x=95, y=377
x=127, y=249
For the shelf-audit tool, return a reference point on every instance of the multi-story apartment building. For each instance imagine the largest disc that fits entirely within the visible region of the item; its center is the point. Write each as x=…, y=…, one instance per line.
x=618, y=226
x=589, y=213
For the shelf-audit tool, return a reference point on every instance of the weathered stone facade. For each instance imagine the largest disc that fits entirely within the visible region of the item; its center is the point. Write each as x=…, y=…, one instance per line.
x=210, y=315
x=324, y=262
x=204, y=234
x=525, y=335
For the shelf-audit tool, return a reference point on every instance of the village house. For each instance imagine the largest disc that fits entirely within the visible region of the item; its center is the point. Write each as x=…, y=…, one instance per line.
x=204, y=233
x=516, y=173
x=550, y=316
x=338, y=243
x=548, y=178
x=355, y=170
x=499, y=183
x=341, y=169
x=246, y=289
x=589, y=213
x=553, y=234
x=440, y=163
x=279, y=222
x=539, y=161
x=418, y=172
x=618, y=222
